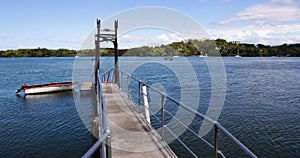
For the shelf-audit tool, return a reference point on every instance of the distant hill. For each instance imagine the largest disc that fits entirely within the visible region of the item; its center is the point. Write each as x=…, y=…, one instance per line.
x=183, y=48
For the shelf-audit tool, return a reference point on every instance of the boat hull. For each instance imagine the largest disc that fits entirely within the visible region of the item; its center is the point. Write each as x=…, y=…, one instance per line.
x=49, y=88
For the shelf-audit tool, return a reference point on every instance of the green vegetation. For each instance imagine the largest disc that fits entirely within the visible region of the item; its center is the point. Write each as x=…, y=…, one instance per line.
x=259, y=50
x=183, y=48
x=38, y=52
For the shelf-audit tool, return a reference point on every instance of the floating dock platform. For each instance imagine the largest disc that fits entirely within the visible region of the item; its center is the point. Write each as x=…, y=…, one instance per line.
x=86, y=86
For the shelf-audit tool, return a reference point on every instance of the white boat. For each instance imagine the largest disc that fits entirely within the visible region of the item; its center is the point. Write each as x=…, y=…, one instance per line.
x=47, y=88
x=201, y=55
x=238, y=54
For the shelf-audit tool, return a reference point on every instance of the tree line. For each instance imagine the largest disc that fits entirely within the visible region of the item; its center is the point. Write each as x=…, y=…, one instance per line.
x=183, y=48
x=38, y=52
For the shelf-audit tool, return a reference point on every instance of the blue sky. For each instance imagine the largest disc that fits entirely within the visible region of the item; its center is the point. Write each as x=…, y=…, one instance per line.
x=65, y=24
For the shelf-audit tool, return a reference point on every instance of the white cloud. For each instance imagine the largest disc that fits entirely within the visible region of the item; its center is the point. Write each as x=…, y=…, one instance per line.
x=169, y=37
x=284, y=1
x=274, y=22
x=130, y=38
x=272, y=11
x=263, y=33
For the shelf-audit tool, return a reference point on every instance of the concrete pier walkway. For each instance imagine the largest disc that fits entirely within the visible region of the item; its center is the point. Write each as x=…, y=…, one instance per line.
x=131, y=135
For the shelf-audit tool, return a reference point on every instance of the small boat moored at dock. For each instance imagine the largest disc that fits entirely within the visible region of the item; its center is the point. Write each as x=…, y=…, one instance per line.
x=47, y=88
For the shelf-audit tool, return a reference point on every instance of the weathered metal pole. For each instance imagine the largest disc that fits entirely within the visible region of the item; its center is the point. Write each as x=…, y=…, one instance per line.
x=128, y=87
x=115, y=42
x=97, y=49
x=163, y=98
x=140, y=97
x=95, y=124
x=216, y=144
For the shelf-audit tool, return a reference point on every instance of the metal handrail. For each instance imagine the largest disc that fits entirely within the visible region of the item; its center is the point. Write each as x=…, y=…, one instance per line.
x=104, y=113
x=218, y=127
x=104, y=126
x=108, y=76
x=95, y=147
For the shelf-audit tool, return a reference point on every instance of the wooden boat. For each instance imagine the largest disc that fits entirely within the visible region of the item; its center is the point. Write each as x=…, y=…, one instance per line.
x=47, y=88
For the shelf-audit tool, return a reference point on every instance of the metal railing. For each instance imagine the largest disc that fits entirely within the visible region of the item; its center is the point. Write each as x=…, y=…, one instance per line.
x=102, y=125
x=109, y=77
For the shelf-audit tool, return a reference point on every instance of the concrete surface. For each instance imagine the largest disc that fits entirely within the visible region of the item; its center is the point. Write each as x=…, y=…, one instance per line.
x=132, y=136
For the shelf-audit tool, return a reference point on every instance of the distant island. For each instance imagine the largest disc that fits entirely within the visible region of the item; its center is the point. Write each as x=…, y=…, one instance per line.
x=183, y=48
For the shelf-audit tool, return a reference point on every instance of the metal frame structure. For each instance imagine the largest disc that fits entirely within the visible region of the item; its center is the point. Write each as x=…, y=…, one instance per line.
x=109, y=36
x=100, y=122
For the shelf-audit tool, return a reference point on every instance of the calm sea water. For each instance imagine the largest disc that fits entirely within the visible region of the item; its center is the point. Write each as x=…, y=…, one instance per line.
x=41, y=125
x=262, y=106
x=262, y=103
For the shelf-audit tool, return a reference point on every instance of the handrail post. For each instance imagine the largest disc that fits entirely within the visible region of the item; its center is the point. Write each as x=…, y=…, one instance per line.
x=146, y=105
x=121, y=82
x=113, y=76
x=128, y=88
x=108, y=146
x=163, y=98
x=107, y=76
x=140, y=97
x=216, y=145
